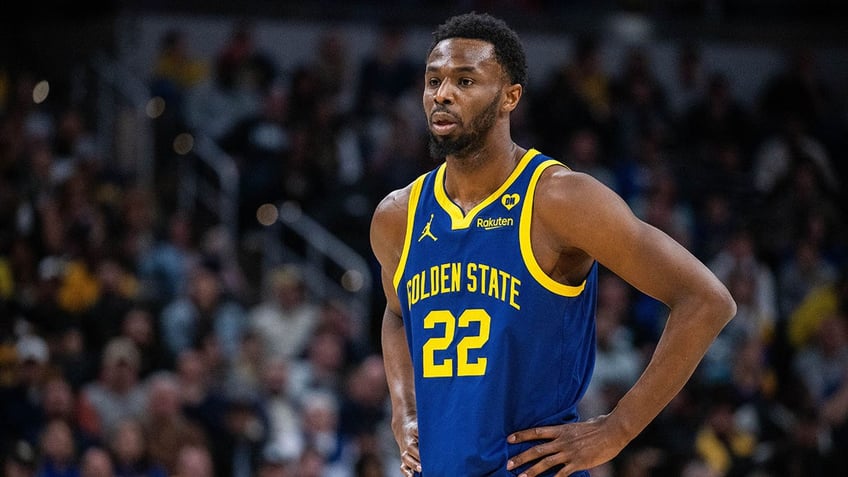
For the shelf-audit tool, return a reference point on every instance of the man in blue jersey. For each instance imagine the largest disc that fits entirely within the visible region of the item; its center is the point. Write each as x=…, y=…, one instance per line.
x=489, y=266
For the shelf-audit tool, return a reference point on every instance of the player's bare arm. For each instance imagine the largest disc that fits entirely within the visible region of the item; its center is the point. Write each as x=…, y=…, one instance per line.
x=388, y=230
x=576, y=220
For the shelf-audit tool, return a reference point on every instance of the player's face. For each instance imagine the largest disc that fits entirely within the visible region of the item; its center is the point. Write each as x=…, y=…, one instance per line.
x=463, y=87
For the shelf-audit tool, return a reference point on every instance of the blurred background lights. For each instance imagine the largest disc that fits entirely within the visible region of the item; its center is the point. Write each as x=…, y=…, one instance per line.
x=352, y=281
x=267, y=214
x=183, y=143
x=40, y=91
x=155, y=107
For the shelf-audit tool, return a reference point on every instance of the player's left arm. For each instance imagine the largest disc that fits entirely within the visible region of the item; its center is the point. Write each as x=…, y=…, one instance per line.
x=581, y=216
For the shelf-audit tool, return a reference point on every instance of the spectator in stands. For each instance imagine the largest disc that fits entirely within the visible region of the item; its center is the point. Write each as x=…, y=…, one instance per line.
x=584, y=153
x=241, y=77
x=322, y=366
x=287, y=315
x=131, y=450
x=97, y=462
x=385, y=74
x=664, y=207
x=205, y=311
x=716, y=118
x=76, y=363
x=820, y=303
x=275, y=464
x=237, y=449
x=165, y=424
x=21, y=401
x=795, y=176
x=576, y=95
x=335, y=74
x=806, y=449
x=195, y=384
x=321, y=429
x=61, y=402
x=58, y=454
x=337, y=316
x=20, y=460
x=754, y=322
x=687, y=82
x=260, y=146
x=139, y=325
x=164, y=267
x=176, y=70
x=286, y=437
x=363, y=404
x=592, y=83
x=742, y=250
x=194, y=461
x=822, y=364
x=639, y=101
x=117, y=394
x=311, y=464
x=805, y=269
x=725, y=447
x=116, y=288
x=798, y=91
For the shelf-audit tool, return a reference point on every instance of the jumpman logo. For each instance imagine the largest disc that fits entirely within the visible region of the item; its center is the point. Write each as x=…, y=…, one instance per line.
x=426, y=232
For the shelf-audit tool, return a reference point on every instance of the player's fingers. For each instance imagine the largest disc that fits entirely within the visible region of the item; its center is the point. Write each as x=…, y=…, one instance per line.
x=540, y=451
x=413, y=451
x=544, y=465
x=410, y=461
x=536, y=433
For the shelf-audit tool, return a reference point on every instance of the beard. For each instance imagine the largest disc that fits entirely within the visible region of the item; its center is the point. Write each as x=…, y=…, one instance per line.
x=464, y=144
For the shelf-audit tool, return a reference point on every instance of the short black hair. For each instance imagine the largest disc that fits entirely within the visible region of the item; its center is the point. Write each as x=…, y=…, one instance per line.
x=482, y=26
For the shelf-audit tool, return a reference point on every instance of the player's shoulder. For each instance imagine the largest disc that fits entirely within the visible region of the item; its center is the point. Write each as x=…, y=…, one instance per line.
x=563, y=185
x=395, y=204
x=388, y=223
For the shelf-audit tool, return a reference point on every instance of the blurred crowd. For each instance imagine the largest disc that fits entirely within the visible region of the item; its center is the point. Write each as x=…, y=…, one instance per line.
x=133, y=344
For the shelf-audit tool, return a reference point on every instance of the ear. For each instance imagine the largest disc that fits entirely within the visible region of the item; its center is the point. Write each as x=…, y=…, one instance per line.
x=512, y=95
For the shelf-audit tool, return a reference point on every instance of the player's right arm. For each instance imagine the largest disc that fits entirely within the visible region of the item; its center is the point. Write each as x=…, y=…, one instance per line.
x=388, y=232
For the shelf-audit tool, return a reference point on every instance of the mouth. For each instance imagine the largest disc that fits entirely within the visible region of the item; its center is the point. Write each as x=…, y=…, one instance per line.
x=443, y=123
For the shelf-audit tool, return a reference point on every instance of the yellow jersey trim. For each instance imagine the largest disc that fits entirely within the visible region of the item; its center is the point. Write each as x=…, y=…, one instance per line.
x=458, y=219
x=526, y=247
x=414, y=194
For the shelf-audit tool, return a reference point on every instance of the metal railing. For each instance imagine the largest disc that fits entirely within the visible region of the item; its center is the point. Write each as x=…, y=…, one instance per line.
x=125, y=128
x=220, y=196
x=332, y=269
x=209, y=178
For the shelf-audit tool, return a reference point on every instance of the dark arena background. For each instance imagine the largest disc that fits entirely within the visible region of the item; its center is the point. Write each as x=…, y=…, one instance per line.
x=186, y=283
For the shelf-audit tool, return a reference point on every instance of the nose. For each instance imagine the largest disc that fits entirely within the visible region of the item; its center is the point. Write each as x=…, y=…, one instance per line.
x=444, y=94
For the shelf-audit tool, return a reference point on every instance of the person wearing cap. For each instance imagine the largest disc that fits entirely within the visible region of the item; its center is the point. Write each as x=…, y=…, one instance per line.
x=118, y=392
x=21, y=400
x=287, y=316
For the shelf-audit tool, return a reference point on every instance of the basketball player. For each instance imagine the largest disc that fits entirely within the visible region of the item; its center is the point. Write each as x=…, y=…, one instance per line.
x=489, y=266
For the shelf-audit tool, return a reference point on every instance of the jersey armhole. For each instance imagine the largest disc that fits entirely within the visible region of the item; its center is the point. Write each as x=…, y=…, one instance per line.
x=525, y=243
x=412, y=206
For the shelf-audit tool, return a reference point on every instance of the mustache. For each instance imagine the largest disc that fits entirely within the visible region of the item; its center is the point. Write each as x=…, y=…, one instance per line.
x=439, y=108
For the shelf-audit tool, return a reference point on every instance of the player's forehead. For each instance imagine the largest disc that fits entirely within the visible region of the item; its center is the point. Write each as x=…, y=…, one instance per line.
x=463, y=53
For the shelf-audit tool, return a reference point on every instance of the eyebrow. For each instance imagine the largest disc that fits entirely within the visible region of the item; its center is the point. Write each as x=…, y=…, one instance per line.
x=458, y=69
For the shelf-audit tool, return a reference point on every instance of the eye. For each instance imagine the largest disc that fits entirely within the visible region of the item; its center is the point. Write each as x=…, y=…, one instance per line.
x=466, y=82
x=433, y=82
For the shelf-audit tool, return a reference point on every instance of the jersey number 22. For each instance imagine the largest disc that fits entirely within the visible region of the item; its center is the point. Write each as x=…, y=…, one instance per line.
x=445, y=368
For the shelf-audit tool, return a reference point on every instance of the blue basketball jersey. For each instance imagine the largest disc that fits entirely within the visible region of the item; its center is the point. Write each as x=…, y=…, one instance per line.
x=497, y=345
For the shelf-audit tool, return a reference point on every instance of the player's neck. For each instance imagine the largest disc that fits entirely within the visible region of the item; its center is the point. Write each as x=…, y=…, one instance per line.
x=471, y=179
